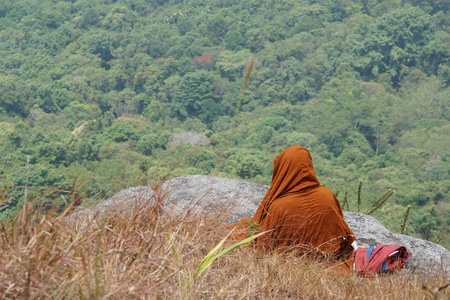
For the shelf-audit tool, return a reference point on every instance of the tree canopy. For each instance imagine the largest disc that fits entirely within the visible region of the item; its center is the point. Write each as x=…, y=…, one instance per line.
x=104, y=93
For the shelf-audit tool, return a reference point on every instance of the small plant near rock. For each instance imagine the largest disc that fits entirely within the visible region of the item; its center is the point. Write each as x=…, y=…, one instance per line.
x=253, y=228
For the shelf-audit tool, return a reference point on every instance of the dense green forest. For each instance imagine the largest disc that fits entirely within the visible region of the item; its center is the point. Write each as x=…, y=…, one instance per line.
x=103, y=94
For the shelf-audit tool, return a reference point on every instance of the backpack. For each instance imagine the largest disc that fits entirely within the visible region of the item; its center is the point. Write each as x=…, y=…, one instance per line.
x=380, y=259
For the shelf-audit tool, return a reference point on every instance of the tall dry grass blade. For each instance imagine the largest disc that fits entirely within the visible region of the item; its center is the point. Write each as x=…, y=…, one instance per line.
x=345, y=202
x=380, y=202
x=4, y=192
x=405, y=218
x=97, y=258
x=236, y=111
x=359, y=193
x=429, y=223
x=26, y=190
x=174, y=251
x=25, y=203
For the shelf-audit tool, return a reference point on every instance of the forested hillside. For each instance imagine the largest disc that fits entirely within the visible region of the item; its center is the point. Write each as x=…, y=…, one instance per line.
x=103, y=94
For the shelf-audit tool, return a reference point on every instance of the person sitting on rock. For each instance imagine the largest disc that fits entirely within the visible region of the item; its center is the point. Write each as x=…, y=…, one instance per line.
x=298, y=213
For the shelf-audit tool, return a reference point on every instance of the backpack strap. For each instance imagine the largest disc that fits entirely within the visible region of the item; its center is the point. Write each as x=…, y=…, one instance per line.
x=369, y=252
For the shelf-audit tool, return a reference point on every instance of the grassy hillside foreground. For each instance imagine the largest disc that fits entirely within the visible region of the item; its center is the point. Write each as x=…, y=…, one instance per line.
x=149, y=254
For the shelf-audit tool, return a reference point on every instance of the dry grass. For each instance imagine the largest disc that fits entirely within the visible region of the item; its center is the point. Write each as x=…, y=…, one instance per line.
x=149, y=254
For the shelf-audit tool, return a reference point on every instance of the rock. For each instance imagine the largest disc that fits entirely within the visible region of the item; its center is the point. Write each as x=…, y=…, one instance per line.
x=125, y=199
x=239, y=199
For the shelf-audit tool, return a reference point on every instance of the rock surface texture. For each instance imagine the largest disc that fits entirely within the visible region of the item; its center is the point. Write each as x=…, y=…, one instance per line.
x=239, y=199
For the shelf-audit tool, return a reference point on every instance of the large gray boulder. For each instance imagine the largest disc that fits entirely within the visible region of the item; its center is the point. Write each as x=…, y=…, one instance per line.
x=239, y=199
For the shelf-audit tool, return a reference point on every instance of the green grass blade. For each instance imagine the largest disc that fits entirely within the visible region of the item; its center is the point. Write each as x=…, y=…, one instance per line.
x=172, y=247
x=241, y=243
x=207, y=261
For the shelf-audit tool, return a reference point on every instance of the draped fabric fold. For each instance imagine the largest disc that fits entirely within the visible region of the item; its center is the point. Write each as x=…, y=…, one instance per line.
x=297, y=211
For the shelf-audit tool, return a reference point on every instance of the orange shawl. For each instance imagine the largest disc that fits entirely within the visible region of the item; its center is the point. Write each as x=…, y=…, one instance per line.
x=298, y=212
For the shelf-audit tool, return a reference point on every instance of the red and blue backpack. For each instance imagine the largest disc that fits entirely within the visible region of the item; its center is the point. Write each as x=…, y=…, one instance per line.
x=380, y=259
